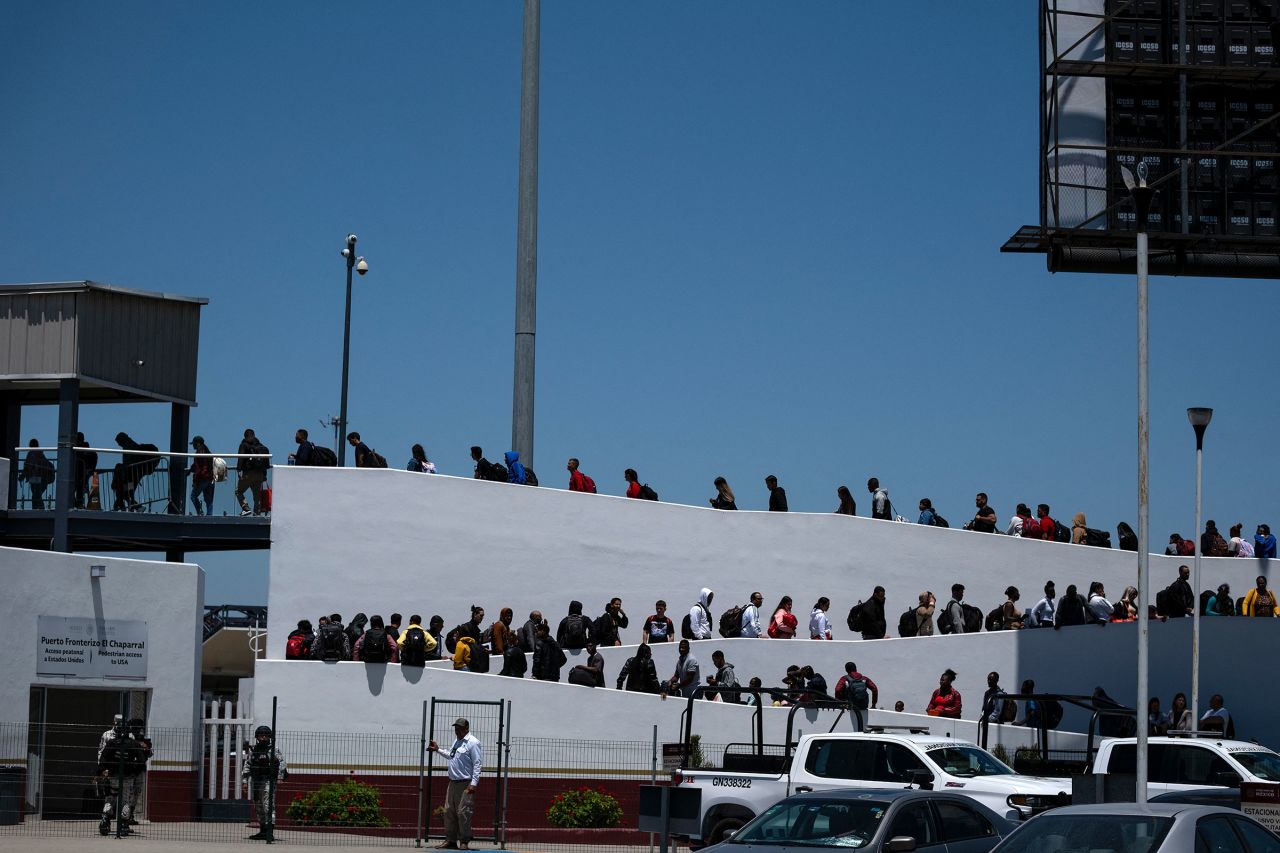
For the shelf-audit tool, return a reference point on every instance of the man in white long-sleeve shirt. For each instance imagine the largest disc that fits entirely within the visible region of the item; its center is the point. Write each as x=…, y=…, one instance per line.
x=751, y=616
x=464, y=777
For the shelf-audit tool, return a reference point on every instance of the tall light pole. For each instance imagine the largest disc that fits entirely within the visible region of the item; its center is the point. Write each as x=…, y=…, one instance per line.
x=359, y=265
x=1199, y=418
x=1142, y=203
x=527, y=240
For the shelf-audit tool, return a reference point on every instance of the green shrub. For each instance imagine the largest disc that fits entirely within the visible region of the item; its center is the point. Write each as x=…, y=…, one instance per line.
x=584, y=808
x=345, y=803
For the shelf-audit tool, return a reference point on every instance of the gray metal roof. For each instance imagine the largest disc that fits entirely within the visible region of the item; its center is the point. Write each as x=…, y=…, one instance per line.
x=121, y=344
x=97, y=285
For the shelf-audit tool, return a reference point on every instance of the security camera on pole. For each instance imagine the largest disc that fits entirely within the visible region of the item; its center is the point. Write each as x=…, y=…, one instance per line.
x=360, y=266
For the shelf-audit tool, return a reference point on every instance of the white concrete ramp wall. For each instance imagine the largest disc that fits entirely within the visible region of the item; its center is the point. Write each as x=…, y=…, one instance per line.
x=382, y=541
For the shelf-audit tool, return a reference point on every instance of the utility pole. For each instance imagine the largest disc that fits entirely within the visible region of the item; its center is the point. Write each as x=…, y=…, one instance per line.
x=527, y=241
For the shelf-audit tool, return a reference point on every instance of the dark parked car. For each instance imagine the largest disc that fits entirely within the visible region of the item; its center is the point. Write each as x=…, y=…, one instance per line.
x=895, y=819
x=1228, y=798
x=1155, y=828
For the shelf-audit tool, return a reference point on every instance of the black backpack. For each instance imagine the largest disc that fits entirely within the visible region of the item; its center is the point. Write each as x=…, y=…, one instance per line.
x=939, y=521
x=575, y=632
x=479, y=658
x=972, y=618
x=731, y=622
x=414, y=652
x=496, y=472
x=1097, y=538
x=908, y=625
x=1062, y=533
x=530, y=478
x=1052, y=711
x=857, y=693
x=945, y=625
x=451, y=639
x=330, y=640
x=258, y=463
x=686, y=624
x=374, y=649
x=647, y=493
x=995, y=619
x=376, y=459
x=1163, y=607
x=855, y=620
x=514, y=662
x=323, y=457
x=1204, y=601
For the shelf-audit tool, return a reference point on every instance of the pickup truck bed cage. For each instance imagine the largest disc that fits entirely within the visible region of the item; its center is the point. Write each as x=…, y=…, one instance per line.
x=779, y=755
x=1100, y=710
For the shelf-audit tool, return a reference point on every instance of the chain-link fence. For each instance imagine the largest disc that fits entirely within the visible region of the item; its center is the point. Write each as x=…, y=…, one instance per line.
x=336, y=788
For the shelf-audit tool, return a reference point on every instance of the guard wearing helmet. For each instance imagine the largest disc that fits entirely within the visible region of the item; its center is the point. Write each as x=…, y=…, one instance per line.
x=122, y=766
x=264, y=768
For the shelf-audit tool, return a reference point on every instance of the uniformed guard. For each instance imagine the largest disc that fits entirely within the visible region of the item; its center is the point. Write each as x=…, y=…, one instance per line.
x=264, y=768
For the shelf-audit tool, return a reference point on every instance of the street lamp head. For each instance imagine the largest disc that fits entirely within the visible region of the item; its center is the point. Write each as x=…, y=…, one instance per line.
x=351, y=239
x=1199, y=418
x=1142, y=173
x=361, y=266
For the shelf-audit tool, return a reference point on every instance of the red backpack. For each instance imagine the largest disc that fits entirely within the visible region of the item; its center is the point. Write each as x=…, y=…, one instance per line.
x=1186, y=548
x=589, y=485
x=298, y=647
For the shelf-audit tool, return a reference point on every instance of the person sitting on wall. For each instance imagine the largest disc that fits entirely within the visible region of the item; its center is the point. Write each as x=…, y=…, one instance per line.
x=945, y=701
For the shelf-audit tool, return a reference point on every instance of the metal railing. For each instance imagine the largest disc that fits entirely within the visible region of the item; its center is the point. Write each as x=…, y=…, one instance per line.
x=139, y=482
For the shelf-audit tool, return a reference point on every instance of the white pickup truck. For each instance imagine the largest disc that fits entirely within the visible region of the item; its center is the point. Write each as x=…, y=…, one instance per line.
x=872, y=759
x=1183, y=763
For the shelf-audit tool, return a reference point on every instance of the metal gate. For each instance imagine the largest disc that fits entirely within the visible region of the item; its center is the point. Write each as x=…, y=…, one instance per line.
x=488, y=721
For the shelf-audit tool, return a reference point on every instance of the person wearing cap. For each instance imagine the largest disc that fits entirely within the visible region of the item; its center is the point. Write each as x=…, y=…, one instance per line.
x=464, y=777
x=201, y=472
x=264, y=767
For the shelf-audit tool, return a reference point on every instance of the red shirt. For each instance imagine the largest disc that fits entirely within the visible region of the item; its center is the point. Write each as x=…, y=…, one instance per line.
x=1047, y=528
x=633, y=488
x=577, y=482
x=944, y=706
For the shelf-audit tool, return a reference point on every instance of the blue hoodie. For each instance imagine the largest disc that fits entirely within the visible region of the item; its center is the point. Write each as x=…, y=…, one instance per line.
x=515, y=471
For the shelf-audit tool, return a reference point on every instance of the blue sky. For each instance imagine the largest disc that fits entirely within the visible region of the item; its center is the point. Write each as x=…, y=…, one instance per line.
x=768, y=243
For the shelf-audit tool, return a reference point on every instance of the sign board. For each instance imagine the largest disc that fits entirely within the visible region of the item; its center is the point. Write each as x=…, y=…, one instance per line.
x=1262, y=803
x=84, y=647
x=670, y=810
x=672, y=755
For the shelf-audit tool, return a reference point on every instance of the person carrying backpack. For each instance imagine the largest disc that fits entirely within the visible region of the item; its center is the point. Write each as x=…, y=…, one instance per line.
x=331, y=643
x=376, y=645
x=486, y=470
x=298, y=645
x=251, y=472
x=856, y=689
x=952, y=619
x=575, y=629
x=515, y=470
x=548, y=657
x=697, y=624
x=415, y=643
x=614, y=618
x=1211, y=542
x=578, y=481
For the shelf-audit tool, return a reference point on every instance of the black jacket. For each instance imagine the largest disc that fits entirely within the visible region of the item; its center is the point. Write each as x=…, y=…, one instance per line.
x=562, y=632
x=639, y=675
x=778, y=499
x=1183, y=597
x=547, y=660
x=873, y=622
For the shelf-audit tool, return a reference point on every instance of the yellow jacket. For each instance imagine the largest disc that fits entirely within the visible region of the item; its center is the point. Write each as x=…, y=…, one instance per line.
x=431, y=641
x=1251, y=600
x=462, y=652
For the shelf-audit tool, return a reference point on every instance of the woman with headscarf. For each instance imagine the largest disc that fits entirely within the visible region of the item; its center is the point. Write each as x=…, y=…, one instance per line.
x=1079, y=529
